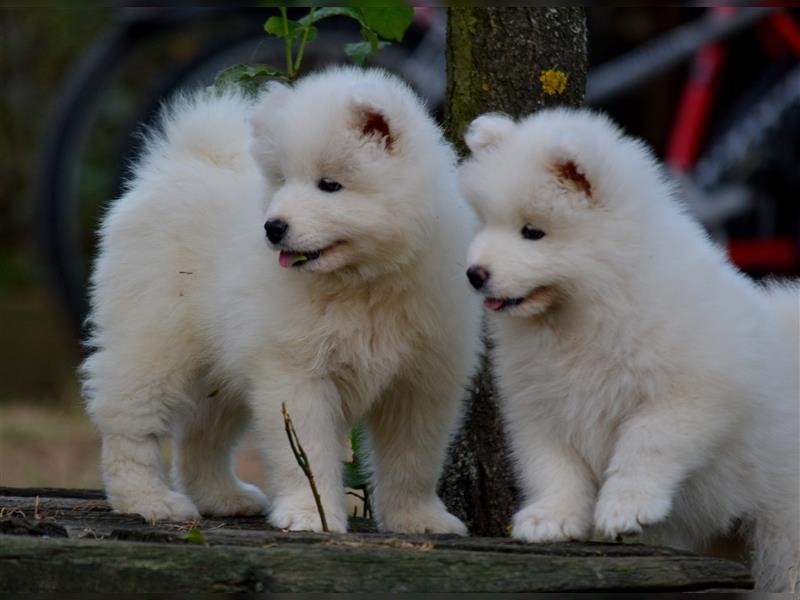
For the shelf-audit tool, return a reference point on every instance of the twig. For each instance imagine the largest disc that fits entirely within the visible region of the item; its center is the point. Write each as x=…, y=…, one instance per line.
x=367, y=504
x=302, y=460
x=11, y=512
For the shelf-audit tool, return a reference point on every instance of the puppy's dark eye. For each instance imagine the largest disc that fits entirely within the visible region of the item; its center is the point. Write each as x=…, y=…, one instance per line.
x=329, y=185
x=530, y=232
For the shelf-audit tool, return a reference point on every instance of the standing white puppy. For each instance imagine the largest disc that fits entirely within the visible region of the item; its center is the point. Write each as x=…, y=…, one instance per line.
x=351, y=308
x=646, y=381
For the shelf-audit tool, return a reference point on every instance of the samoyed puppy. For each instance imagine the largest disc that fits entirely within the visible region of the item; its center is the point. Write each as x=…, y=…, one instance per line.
x=305, y=248
x=646, y=382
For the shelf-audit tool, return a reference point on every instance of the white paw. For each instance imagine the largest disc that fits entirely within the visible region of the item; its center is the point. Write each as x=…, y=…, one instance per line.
x=421, y=517
x=302, y=515
x=624, y=510
x=541, y=523
x=242, y=500
x=157, y=505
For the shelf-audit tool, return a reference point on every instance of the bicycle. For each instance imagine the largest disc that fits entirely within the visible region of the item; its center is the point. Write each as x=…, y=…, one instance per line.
x=723, y=177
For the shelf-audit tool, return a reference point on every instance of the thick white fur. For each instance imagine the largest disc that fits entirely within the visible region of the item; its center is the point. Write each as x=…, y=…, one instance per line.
x=198, y=331
x=648, y=383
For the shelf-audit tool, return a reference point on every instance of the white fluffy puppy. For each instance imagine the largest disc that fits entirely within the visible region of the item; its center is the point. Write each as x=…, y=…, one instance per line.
x=645, y=380
x=352, y=308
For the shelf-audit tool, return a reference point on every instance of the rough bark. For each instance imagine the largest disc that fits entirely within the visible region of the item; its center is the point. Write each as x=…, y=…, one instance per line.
x=496, y=58
x=511, y=60
x=110, y=552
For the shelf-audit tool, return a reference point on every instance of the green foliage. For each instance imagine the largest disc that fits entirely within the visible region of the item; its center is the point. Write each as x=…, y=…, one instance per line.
x=356, y=476
x=249, y=77
x=358, y=52
x=390, y=23
x=195, y=536
x=378, y=26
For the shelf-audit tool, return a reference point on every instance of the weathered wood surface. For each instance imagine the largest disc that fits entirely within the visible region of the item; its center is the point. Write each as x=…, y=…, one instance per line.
x=75, y=543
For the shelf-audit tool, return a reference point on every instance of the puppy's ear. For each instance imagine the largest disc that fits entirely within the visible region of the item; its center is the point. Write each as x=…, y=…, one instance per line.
x=274, y=97
x=571, y=172
x=370, y=117
x=487, y=131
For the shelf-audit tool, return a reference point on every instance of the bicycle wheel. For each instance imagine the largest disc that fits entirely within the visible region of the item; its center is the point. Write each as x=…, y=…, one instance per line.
x=757, y=152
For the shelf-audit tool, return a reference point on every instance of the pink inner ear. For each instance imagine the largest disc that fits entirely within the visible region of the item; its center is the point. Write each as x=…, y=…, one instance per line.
x=375, y=124
x=568, y=171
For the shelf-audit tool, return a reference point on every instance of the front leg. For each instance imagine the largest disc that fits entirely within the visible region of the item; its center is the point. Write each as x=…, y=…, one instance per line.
x=558, y=489
x=315, y=409
x=409, y=432
x=656, y=450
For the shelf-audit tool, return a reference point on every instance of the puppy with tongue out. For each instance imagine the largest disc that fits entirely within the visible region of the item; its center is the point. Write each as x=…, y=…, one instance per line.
x=297, y=249
x=366, y=223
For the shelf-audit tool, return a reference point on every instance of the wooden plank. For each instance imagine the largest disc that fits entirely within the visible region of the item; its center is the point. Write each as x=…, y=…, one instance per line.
x=112, y=552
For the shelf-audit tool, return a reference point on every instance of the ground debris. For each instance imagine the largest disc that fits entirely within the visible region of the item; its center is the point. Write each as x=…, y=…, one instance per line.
x=23, y=526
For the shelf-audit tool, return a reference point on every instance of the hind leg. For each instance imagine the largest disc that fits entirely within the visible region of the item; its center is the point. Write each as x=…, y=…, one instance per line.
x=203, y=461
x=134, y=406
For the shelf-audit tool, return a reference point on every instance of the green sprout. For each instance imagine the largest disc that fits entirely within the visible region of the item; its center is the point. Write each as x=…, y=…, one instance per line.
x=379, y=25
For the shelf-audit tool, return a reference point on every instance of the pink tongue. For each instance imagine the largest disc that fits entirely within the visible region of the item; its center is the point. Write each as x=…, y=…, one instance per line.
x=285, y=259
x=494, y=303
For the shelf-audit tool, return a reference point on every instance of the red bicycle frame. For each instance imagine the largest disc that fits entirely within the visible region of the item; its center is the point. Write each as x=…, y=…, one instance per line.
x=779, y=32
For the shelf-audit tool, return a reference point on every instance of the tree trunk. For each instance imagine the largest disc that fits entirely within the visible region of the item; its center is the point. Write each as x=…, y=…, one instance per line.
x=516, y=61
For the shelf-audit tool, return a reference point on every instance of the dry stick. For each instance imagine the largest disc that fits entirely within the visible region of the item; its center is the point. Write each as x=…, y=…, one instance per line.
x=302, y=460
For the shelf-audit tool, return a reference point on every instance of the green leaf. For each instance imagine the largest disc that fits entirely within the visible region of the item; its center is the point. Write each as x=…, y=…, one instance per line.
x=331, y=11
x=248, y=77
x=312, y=33
x=354, y=477
x=275, y=26
x=371, y=37
x=299, y=258
x=357, y=434
x=359, y=51
x=195, y=536
x=388, y=22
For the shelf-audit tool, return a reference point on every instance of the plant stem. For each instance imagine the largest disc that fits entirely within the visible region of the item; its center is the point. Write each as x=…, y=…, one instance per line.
x=305, y=39
x=287, y=43
x=302, y=460
x=367, y=504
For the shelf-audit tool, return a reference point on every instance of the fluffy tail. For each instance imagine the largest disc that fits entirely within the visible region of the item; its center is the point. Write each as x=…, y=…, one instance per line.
x=206, y=126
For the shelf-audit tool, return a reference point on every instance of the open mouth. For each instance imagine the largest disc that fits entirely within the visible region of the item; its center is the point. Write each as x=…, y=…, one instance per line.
x=296, y=258
x=498, y=304
x=501, y=303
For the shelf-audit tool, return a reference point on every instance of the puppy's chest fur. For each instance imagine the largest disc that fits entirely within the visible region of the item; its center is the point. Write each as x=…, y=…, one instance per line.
x=582, y=386
x=361, y=344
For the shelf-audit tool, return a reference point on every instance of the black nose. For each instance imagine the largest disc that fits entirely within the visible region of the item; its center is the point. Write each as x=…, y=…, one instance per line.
x=477, y=276
x=276, y=229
